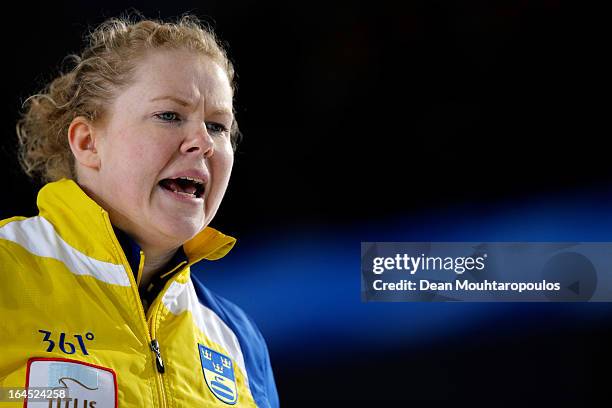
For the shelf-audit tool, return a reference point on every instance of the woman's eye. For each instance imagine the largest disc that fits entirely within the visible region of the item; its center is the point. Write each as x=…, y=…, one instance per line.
x=168, y=116
x=215, y=128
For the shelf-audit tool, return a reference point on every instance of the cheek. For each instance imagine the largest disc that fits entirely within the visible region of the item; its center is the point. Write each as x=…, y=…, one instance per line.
x=131, y=168
x=221, y=165
x=145, y=157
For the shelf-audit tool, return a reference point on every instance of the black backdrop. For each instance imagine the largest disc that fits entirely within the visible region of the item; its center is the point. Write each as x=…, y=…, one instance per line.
x=356, y=112
x=347, y=108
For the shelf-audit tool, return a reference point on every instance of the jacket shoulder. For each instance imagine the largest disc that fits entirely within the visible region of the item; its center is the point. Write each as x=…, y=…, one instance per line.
x=11, y=219
x=252, y=343
x=231, y=314
x=8, y=228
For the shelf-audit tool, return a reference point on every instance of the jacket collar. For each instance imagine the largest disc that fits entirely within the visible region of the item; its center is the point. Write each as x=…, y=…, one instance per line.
x=86, y=226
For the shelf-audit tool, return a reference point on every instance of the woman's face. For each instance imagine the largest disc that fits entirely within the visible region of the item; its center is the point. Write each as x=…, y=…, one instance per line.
x=164, y=148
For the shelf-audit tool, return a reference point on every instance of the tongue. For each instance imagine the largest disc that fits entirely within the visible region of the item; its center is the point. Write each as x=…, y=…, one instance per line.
x=189, y=189
x=174, y=185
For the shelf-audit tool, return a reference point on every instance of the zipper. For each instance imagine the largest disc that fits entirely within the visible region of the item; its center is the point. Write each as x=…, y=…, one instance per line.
x=158, y=358
x=148, y=331
x=154, y=344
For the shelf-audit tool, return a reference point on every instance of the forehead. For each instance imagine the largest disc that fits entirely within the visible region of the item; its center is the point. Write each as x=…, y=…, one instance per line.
x=182, y=74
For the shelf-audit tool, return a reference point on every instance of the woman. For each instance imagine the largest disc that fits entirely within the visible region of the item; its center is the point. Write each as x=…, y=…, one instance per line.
x=96, y=294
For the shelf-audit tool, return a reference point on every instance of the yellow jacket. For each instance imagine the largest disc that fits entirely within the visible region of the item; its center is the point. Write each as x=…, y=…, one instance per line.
x=72, y=318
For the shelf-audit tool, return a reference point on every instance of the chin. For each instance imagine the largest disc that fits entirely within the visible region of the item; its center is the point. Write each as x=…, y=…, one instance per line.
x=181, y=230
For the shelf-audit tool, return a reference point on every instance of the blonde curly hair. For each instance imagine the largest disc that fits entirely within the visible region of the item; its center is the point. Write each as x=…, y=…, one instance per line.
x=105, y=66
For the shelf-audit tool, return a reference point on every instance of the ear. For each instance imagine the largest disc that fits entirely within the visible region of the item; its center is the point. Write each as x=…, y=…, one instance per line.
x=82, y=140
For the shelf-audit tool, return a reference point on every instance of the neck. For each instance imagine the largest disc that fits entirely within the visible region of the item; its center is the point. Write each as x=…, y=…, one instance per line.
x=155, y=260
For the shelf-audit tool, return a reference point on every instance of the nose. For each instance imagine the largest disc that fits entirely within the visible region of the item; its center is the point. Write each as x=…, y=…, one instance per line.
x=198, y=141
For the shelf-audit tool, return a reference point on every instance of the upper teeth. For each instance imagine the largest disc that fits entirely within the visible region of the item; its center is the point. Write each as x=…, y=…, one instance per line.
x=192, y=179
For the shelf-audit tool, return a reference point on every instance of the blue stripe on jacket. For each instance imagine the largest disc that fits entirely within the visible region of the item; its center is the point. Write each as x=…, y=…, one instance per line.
x=252, y=344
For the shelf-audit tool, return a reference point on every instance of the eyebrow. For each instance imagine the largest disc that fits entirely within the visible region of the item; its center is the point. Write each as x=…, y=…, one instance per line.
x=172, y=98
x=183, y=102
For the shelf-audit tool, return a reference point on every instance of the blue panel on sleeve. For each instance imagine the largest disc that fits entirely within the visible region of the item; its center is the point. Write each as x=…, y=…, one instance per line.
x=252, y=343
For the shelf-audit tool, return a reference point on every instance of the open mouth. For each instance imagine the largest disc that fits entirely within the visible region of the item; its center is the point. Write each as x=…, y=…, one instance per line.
x=186, y=186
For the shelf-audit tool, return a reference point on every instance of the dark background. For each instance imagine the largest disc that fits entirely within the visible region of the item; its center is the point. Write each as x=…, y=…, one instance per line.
x=456, y=120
